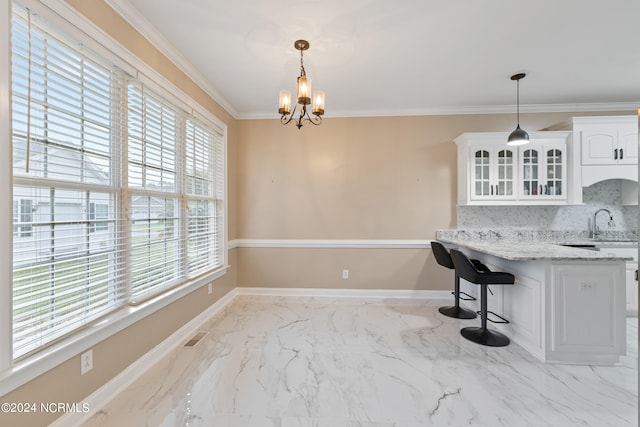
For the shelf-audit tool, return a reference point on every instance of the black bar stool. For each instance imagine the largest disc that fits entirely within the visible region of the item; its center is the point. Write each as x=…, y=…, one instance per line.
x=466, y=270
x=444, y=259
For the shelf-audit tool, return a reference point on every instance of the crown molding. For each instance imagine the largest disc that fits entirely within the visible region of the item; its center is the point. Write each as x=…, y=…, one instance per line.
x=133, y=16
x=482, y=109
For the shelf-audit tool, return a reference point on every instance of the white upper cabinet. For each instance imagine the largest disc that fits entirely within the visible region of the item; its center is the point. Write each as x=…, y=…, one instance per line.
x=608, y=142
x=492, y=173
x=544, y=170
x=608, y=147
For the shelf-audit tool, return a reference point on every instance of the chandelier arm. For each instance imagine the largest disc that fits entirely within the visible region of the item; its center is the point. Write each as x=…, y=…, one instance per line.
x=315, y=120
x=285, y=119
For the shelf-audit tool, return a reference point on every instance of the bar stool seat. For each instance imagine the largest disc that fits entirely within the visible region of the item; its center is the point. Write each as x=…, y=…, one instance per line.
x=468, y=271
x=444, y=259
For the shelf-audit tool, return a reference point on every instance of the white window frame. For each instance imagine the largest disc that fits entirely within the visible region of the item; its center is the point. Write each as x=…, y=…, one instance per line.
x=14, y=374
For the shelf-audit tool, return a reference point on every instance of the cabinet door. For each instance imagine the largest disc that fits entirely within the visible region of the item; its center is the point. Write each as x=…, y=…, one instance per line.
x=555, y=166
x=543, y=172
x=587, y=313
x=481, y=185
x=628, y=145
x=505, y=173
x=530, y=185
x=599, y=145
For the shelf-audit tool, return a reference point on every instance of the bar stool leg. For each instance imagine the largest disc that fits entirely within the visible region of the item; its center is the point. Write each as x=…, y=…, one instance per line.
x=483, y=335
x=455, y=310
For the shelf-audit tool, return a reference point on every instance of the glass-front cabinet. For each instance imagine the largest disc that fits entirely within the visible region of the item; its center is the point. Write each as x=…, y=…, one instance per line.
x=492, y=173
x=543, y=171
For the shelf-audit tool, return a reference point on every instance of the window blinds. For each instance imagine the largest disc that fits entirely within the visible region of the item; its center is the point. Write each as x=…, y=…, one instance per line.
x=205, y=189
x=118, y=192
x=154, y=131
x=65, y=125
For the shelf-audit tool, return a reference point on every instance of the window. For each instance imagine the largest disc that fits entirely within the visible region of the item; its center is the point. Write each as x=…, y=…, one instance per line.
x=98, y=211
x=118, y=190
x=22, y=217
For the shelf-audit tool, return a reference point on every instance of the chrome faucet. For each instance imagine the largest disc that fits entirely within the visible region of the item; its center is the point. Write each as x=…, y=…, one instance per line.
x=594, y=228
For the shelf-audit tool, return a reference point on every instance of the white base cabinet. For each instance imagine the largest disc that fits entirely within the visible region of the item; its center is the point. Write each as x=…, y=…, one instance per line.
x=560, y=312
x=587, y=314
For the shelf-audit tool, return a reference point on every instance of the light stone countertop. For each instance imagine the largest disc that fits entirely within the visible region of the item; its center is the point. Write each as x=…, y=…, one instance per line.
x=529, y=250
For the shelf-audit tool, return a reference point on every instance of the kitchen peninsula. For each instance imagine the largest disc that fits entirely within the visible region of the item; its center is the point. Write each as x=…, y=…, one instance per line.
x=567, y=304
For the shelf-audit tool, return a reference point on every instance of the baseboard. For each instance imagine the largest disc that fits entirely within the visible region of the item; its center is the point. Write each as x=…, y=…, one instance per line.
x=345, y=293
x=111, y=389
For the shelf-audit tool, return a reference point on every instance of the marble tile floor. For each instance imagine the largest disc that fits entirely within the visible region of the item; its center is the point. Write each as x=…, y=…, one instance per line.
x=348, y=362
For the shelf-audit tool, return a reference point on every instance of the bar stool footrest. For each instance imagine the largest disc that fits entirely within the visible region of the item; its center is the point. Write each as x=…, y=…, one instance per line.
x=466, y=297
x=502, y=319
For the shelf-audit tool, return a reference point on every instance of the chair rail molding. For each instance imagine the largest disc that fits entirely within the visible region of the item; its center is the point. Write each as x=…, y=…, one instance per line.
x=331, y=243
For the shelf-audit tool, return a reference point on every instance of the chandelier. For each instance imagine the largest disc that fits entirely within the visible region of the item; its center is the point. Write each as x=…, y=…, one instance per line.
x=303, y=97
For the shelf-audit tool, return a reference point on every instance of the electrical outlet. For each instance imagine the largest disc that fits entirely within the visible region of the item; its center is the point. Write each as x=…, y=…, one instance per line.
x=345, y=274
x=86, y=362
x=210, y=288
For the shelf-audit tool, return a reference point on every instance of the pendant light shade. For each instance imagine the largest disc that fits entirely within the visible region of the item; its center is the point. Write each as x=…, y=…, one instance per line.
x=518, y=136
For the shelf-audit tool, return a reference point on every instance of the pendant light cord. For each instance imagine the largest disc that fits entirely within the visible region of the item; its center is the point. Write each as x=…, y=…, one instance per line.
x=518, y=102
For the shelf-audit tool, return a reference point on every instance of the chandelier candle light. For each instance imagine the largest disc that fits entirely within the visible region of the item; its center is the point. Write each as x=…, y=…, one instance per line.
x=303, y=97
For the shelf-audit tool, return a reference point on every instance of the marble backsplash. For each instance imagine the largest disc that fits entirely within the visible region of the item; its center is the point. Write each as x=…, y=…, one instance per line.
x=554, y=220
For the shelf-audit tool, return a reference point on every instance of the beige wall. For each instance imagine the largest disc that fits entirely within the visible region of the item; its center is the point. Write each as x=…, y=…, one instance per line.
x=356, y=178
x=407, y=269
x=64, y=383
x=353, y=178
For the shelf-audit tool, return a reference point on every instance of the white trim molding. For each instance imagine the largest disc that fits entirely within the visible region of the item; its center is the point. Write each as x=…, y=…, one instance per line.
x=141, y=24
x=331, y=243
x=469, y=109
x=367, y=294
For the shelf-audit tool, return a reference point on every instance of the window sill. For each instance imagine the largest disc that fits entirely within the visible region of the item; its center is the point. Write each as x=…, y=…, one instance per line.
x=47, y=359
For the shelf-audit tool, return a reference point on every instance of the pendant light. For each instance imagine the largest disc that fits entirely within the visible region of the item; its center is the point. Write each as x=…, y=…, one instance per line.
x=518, y=136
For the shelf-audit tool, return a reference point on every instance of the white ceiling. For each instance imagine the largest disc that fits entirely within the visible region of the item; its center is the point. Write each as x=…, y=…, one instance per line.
x=382, y=57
